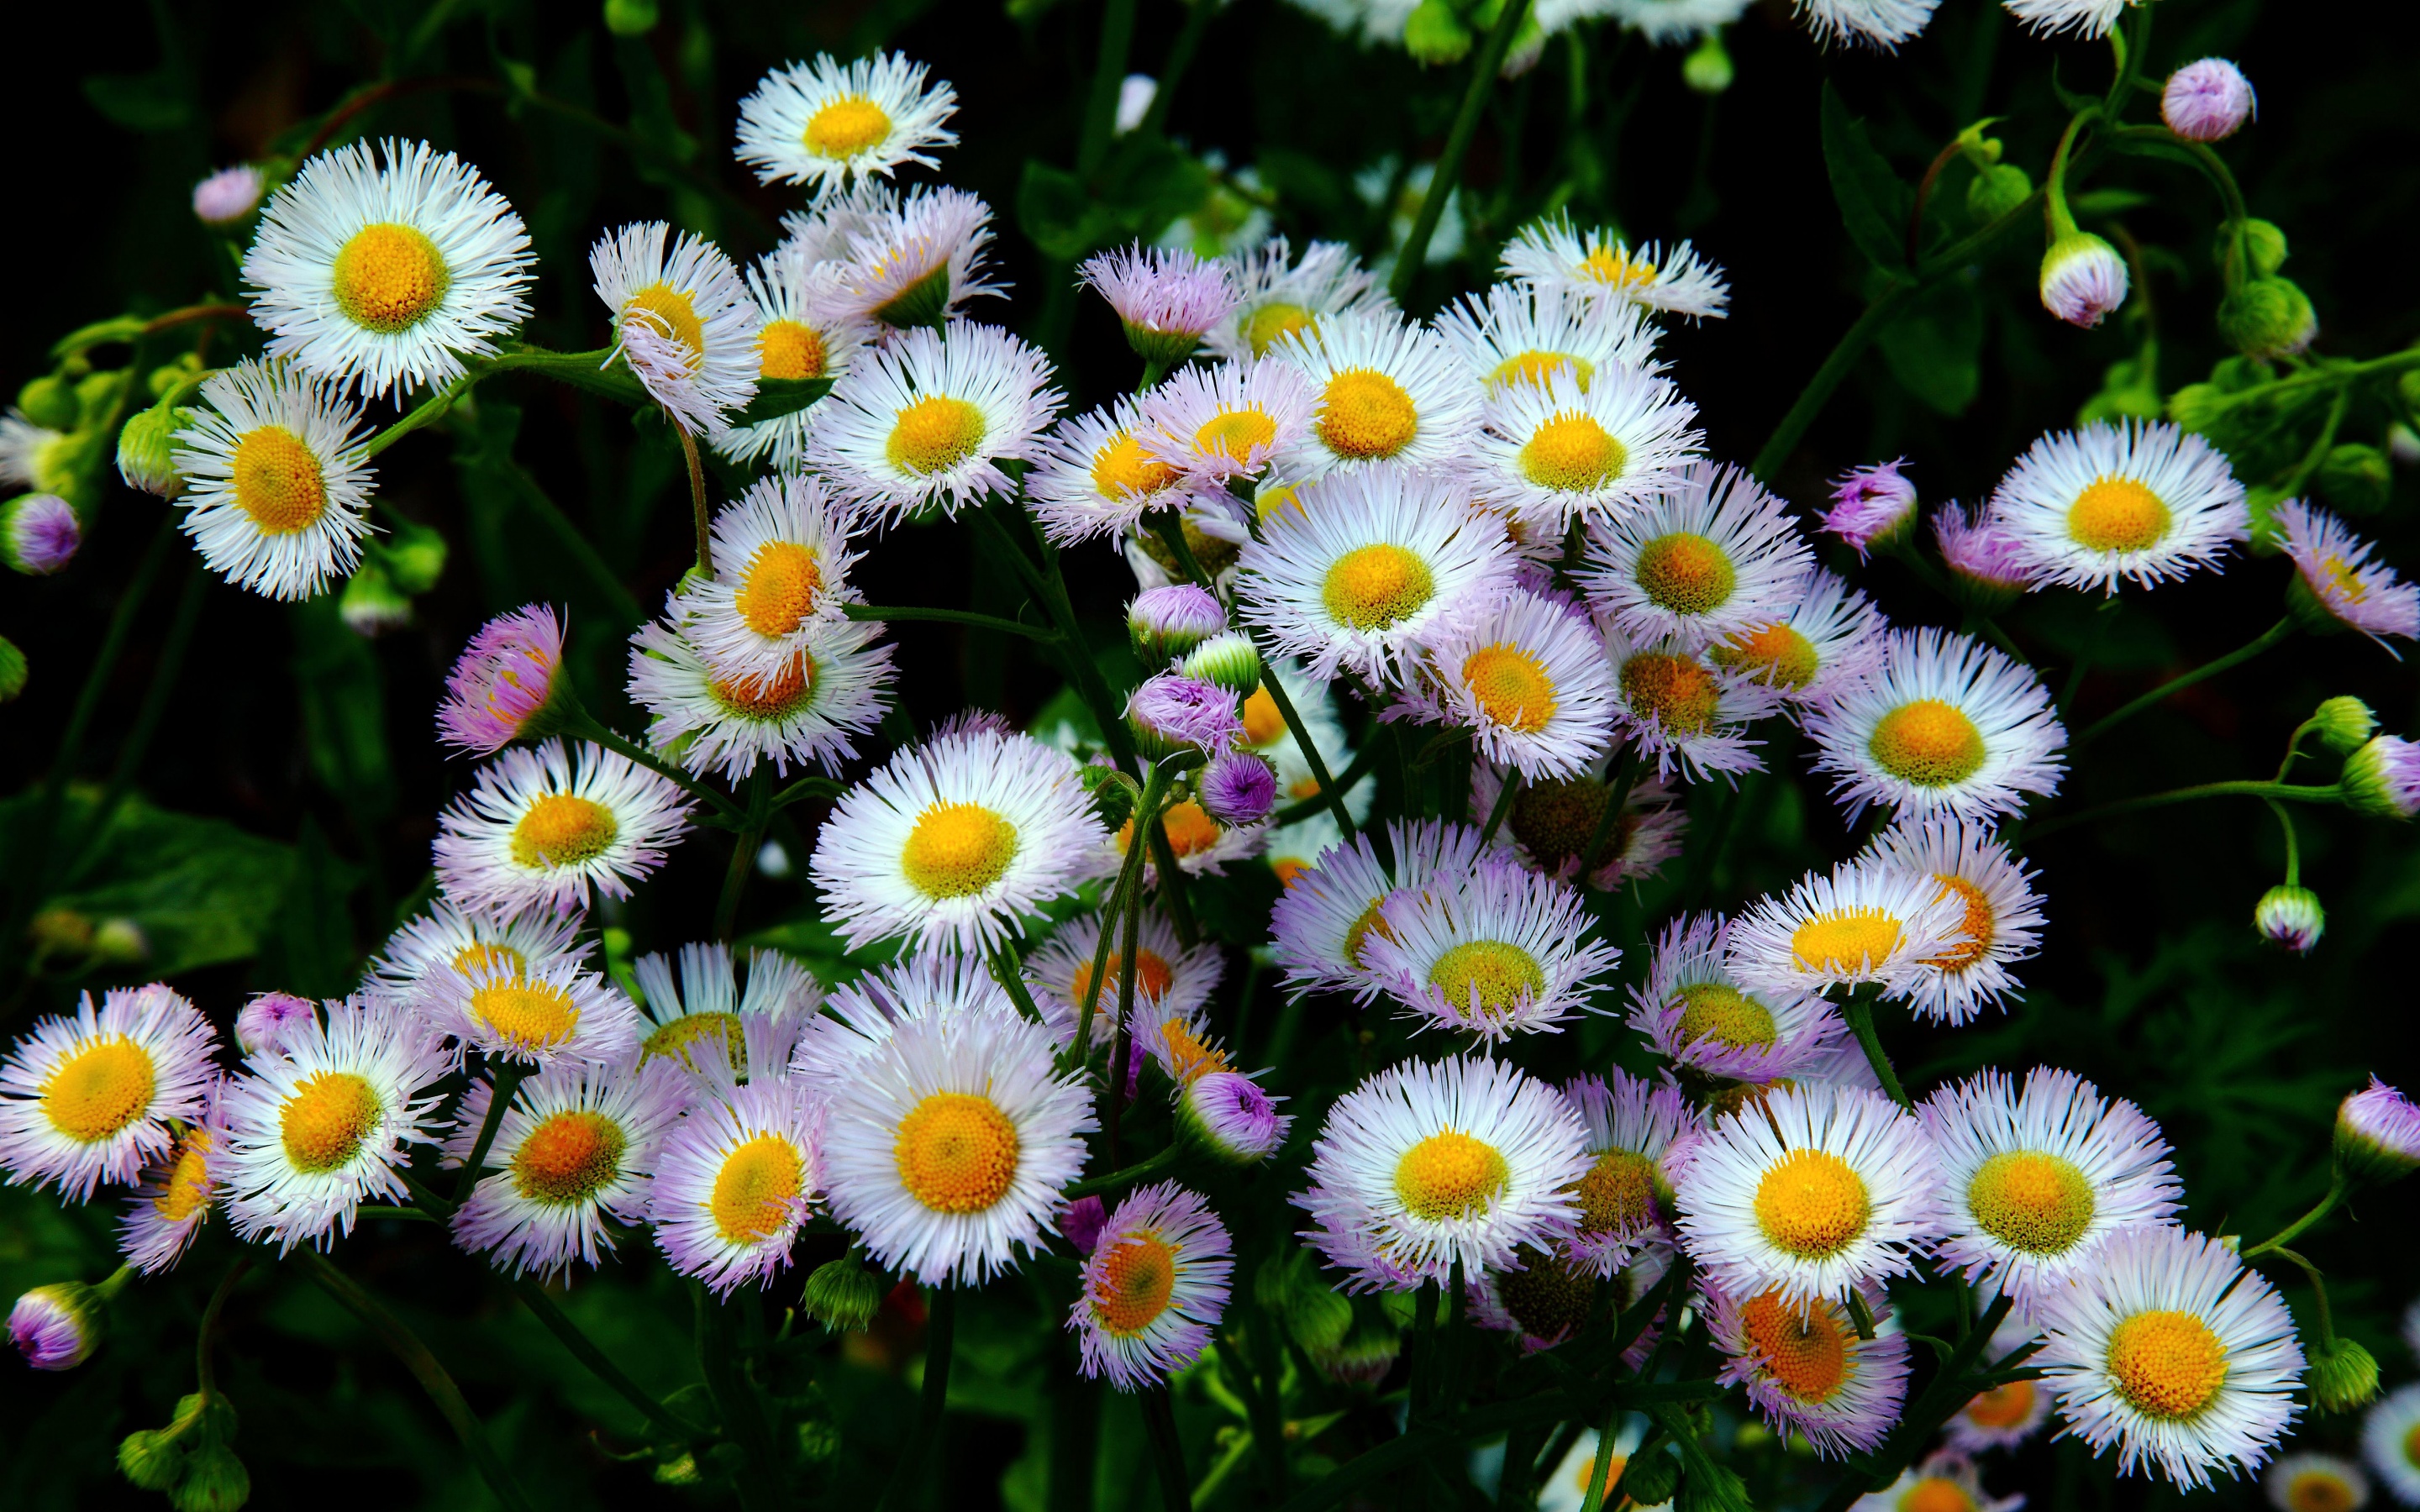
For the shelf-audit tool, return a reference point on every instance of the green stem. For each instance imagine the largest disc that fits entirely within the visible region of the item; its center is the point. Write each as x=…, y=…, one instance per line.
x=1625, y=777
x=1259, y=1407
x=2062, y=221
x=743, y=858
x=586, y=727
x=1167, y=1450
x=1331, y=792
x=1114, y=1095
x=703, y=511
x=209, y=1330
x=1008, y=972
x=758, y=1480
x=1485, y=68
x=1949, y=1391
x=1818, y=392
x=2331, y=793
x=146, y=720
x=1180, y=58
x=1132, y=1174
x=2294, y=1229
x=940, y=1321
x=2318, y=1291
x=1859, y=1011
x=2266, y=639
x=506, y=1080
x=1505, y=795
x=1600, y=1469
x=1302, y=809
x=1049, y=585
x=1109, y=75
x=584, y=1349
x=1129, y=882
x=2293, y=848
x=952, y=616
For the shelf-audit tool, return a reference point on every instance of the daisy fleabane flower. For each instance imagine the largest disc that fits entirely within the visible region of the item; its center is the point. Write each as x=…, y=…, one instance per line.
x=2169, y=1348
x=2143, y=502
x=1096, y=477
x=1279, y=296
x=1942, y=1481
x=1882, y=24
x=707, y=1006
x=384, y=268
x=1690, y=716
x=734, y=1179
x=452, y=940
x=2003, y=912
x=781, y=561
x=1864, y=921
x=947, y=1147
x=315, y=1130
x=1555, y=255
x=507, y=683
x=547, y=824
x=1638, y=1133
x=929, y=419
x=576, y=1148
x=1713, y=556
x=1166, y=298
x=167, y=1210
x=683, y=322
x=1324, y=924
x=797, y=338
x=88, y=1100
x=1529, y=681
x=2007, y=1414
x=1554, y=822
x=2085, y=17
x=277, y=493
x=824, y=123
x=2316, y=1483
x=2036, y=1180
x=1871, y=504
x=1947, y=724
x=541, y=1014
x=1812, y=1189
x=860, y=1018
x=812, y=709
x=1429, y=1163
x=1826, y=636
x=1804, y=1367
x=1153, y=1288
x=2335, y=575
x=901, y=264
x=1513, y=333
x=1983, y=557
x=2390, y=1441
x=1388, y=393
x=1699, y=1015
x=1216, y=424
x=1497, y=951
x=1553, y=450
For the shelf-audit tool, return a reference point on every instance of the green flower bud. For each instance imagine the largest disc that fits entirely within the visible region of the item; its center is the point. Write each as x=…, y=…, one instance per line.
x=1997, y=190
x=2197, y=406
x=415, y=558
x=96, y=394
x=1708, y=67
x=13, y=671
x=843, y=1296
x=680, y=1470
x=2344, y=723
x=2264, y=245
x=1434, y=34
x=1114, y=794
x=2342, y=1376
x=147, y=450
x=2267, y=318
x=153, y=1459
x=631, y=18
x=1650, y=1479
x=119, y=942
x=2356, y=479
x=2291, y=917
x=370, y=604
x=1317, y=1315
x=1230, y=661
x=48, y=401
x=2382, y=778
x=819, y=1442
x=215, y=1481
x=168, y=375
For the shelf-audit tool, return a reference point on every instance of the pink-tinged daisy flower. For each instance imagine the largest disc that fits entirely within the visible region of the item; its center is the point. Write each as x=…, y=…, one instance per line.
x=1494, y=953
x=1942, y=1481
x=902, y=264
x=1639, y=1133
x=1690, y=716
x=40, y=533
x=781, y=559
x=57, y=1327
x=228, y=195
x=812, y=712
x=1513, y=333
x=1711, y=557
x=574, y=1149
x=2390, y=1441
x=946, y=1148
x=2036, y=1181
x=278, y=490
x=1324, y=923
x=860, y=1018
x=928, y=420
x=1171, y=980
x=2377, y=1134
x=1226, y=1114
x=2382, y=778
x=2084, y=280
x=2003, y=914
x=1215, y=424
x=2337, y=582
x=825, y=123
x=87, y=1100
x=2147, y=504
x=313, y=1132
x=1237, y=788
x=1529, y=681
x=177, y=1192
x=2168, y=1348
x=1865, y=921
x=1427, y=1164
x=507, y=684
x=1827, y=636
x=734, y=1179
x=1172, y=713
x=1871, y=505
x=2207, y=100
x=2316, y=1483
x=1804, y=1367
x=1983, y=556
x=547, y=823
x=1097, y=478
x=683, y=322
x=1152, y=1288
x=1945, y=725
x=1555, y=255
x=1555, y=820
x=1701, y=1017
x=1167, y=299
x=1387, y=392
x=542, y=1014
x=1808, y=1191
x=1553, y=451
x=2007, y=1414
x=1277, y=296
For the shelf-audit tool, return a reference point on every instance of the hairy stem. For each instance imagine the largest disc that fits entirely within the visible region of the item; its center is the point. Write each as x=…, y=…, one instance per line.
x=2241, y=654
x=2288, y=791
x=506, y=1079
x=1484, y=67
x=1859, y=1011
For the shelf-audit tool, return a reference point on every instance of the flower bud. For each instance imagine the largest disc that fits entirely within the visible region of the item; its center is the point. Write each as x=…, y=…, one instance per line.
x=120, y=941
x=415, y=558
x=1650, y=1479
x=2356, y=478
x=2344, y=723
x=228, y=195
x=1291, y=1289
x=271, y=1021
x=1166, y=623
x=1708, y=67
x=40, y=533
x=48, y=401
x=2264, y=245
x=509, y=684
x=1226, y=1116
x=2197, y=406
x=2382, y=778
x=145, y=457
x=2207, y=100
x=57, y=1327
x=1135, y=94
x=1434, y=34
x=1114, y=794
x=2378, y=1135
x=631, y=18
x=369, y=605
x=152, y=1459
x=2342, y=1376
x=1982, y=557
x=1997, y=189
x=1367, y=1350
x=13, y=671
x=843, y=1296
x=215, y=1481
x=1230, y=659
x=1237, y=788
x=1172, y=714
x=2267, y=318
x=2083, y=279
x=1871, y=507
x=2291, y=917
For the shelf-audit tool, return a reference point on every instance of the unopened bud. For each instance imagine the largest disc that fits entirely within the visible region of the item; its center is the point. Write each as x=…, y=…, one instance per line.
x=1708, y=67
x=631, y=18
x=843, y=1296
x=2267, y=318
x=2344, y=723
x=2382, y=778
x=2377, y=1136
x=2291, y=917
x=1997, y=189
x=1650, y=1479
x=2343, y=1376
x=1237, y=788
x=1224, y=1114
x=146, y=457
x=40, y=533
x=2083, y=279
x=2356, y=478
x=119, y=942
x=57, y=1327
x=48, y=401
x=1114, y=794
x=215, y=1481
x=370, y=606
x=1230, y=660
x=226, y=197
x=152, y=1459
x=2207, y=100
x=1434, y=34
x=1166, y=623
x=2264, y=245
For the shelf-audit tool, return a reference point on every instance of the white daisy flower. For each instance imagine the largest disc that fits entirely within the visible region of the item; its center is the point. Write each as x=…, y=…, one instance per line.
x=1324, y=923
x=2316, y=1483
x=1214, y=424
x=1689, y=716
x=2390, y=1441
x=2003, y=912
x=88, y=1100
x=1097, y=478
x=277, y=490
x=2038, y=1179
x=544, y=1015
x=857, y=1019
x=1639, y=1134
x=323, y=1123
x=2007, y=1414
x=576, y=1148
x=1828, y=635
x=683, y=323
x=2169, y=1348
x=1864, y=921
x=1170, y=980
x=547, y=823
x=929, y=419
x=902, y=264
x=705, y=1008
x=1371, y=566
x=1277, y=297
x=1810, y=1190
x=1567, y=1489
x=384, y=269
x=733, y=1181
x=2085, y=18
x=947, y=1148
x=450, y=941
x=1882, y=24
x=813, y=711
x=2144, y=502
x=1514, y=333
x=952, y=841
x=795, y=338
x=1152, y=1288
x=781, y=561
x=1529, y=681
x=824, y=122
x=1946, y=724
x=1295, y=849
x=178, y=1191
x=1555, y=255
x=1806, y=1368
x=1494, y=953
x=1700, y=1016
x=1388, y=392
x=1664, y=22
x=1713, y=557
x=1427, y=1164
x=1550, y=451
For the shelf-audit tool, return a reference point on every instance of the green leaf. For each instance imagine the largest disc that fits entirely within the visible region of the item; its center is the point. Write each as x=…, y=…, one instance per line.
x=309, y=948
x=1056, y=213
x=1936, y=348
x=344, y=713
x=776, y=397
x=140, y=102
x=1874, y=203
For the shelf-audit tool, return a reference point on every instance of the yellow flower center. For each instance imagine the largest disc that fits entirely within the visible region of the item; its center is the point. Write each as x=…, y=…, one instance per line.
x=1618, y=1194
x=674, y=1038
x=1122, y=470
x=1806, y=1354
x=1152, y=976
x=672, y=315
x=1675, y=691
x=1511, y=686
x=2342, y=581
x=1280, y=496
x=277, y=481
x=1556, y=818
x=1538, y=368
x=1846, y=940
x=2320, y=1490
x=778, y=587
x=1289, y=869
x=1614, y=1466
x=1721, y=1012
x=1272, y=323
x=187, y=1190
x=564, y=830
x=2002, y=1407
x=2117, y=515
x=2032, y=1201
x=790, y=349
x=1138, y=1276
x=1356, y=936
x=846, y=127
x=2411, y=1446
x=388, y=277
x=956, y=1152
x=1685, y=573
x=482, y=958
x=99, y=1089
x=1262, y=723
x=1936, y=1493
x=757, y=1188
x=1235, y=433
x=2166, y=1365
x=1811, y=1204
x=772, y=698
x=1366, y=414
x=1502, y=976
x=1187, y=1056
x=570, y=1157
x=1616, y=268
x=1451, y=1175
x=958, y=850
x=527, y=1015
x=1976, y=925
x=1777, y=656
x=324, y=1124
x=1927, y=742
x=935, y=434
x=1371, y=587
x=1572, y=453
x=1190, y=829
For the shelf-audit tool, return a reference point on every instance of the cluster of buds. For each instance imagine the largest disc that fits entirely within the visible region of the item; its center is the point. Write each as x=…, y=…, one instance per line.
x=1194, y=708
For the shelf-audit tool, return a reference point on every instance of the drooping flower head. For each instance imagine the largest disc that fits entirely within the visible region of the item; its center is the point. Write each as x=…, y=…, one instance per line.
x=683, y=322
x=40, y=533
x=1152, y=1288
x=2084, y=280
x=507, y=684
x=57, y=1327
x=1871, y=504
x=89, y=1099
x=826, y=123
x=2381, y=778
x=2207, y=100
x=547, y=824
